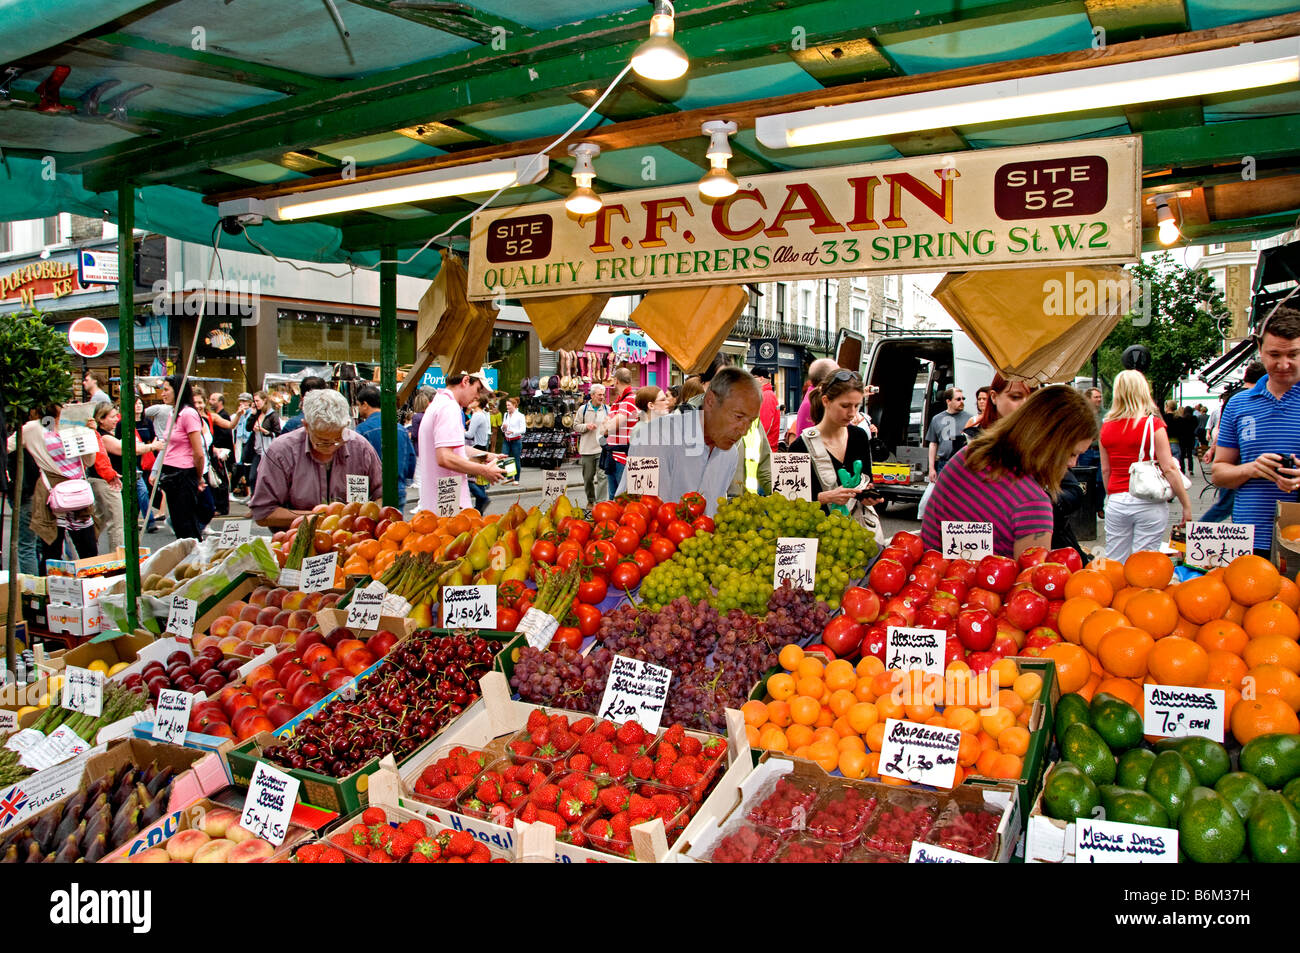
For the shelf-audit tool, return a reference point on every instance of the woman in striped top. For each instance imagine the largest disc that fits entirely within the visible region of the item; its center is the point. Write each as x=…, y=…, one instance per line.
x=1011, y=473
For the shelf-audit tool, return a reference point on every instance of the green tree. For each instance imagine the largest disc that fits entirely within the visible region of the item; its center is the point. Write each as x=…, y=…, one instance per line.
x=1179, y=317
x=34, y=372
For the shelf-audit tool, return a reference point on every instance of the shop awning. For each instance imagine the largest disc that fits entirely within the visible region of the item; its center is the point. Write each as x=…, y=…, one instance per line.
x=185, y=102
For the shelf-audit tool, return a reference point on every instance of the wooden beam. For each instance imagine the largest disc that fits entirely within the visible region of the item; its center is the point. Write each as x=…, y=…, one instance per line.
x=1133, y=19
x=582, y=54
x=1235, y=230
x=458, y=19
x=686, y=124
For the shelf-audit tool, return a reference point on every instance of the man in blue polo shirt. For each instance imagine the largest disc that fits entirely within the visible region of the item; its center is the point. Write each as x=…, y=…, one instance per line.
x=1261, y=426
x=370, y=427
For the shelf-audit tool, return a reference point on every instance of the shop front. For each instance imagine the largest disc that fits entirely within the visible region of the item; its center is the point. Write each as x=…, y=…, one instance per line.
x=787, y=362
x=628, y=347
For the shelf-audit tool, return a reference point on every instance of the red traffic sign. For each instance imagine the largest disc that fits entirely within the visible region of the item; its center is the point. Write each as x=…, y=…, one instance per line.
x=88, y=337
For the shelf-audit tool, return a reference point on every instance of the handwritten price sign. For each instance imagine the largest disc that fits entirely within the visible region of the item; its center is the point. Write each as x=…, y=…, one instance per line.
x=367, y=606
x=234, y=532
x=791, y=476
x=643, y=475
x=922, y=754
x=83, y=691
x=318, y=572
x=907, y=649
x=358, y=488
x=1211, y=545
x=269, y=804
x=1173, y=712
x=962, y=540
x=469, y=607
x=448, y=496
x=635, y=691
x=172, y=717
x=180, y=617
x=554, y=483
x=1110, y=842
x=934, y=854
x=796, y=560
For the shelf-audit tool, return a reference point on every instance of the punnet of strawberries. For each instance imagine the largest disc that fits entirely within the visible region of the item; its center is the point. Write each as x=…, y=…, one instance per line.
x=451, y=772
x=373, y=838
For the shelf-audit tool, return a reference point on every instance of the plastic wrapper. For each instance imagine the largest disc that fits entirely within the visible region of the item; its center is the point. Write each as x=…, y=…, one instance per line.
x=163, y=563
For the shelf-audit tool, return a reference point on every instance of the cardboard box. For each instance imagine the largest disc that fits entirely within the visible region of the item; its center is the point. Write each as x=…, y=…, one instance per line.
x=341, y=795
x=108, y=564
x=35, y=610
x=190, y=816
x=331, y=619
x=706, y=826
x=79, y=591
x=110, y=651
x=1047, y=840
x=890, y=472
x=1286, y=554
x=80, y=622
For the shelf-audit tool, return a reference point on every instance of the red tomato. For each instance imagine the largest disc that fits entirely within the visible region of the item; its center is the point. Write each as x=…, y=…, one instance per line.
x=508, y=593
x=679, y=530
x=696, y=504
x=607, y=510
x=593, y=591
x=702, y=524
x=576, y=529
x=625, y=575
x=645, y=560
x=588, y=619
x=568, y=557
x=635, y=523
x=667, y=513
x=602, y=555
x=651, y=503
x=662, y=548
x=626, y=541
x=544, y=551
x=636, y=509
x=566, y=635
x=605, y=529
x=507, y=618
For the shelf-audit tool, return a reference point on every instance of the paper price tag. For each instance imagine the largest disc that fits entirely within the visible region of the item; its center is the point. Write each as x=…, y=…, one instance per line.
x=63, y=743
x=1173, y=712
x=367, y=606
x=961, y=540
x=78, y=442
x=554, y=483
x=635, y=691
x=448, y=496
x=922, y=754
x=643, y=475
x=791, y=476
x=1110, y=842
x=22, y=740
x=796, y=560
x=269, y=804
x=469, y=607
x=538, y=628
x=1211, y=545
x=8, y=719
x=358, y=488
x=172, y=717
x=934, y=854
x=234, y=532
x=290, y=578
x=908, y=648
x=83, y=691
x=318, y=572
x=180, y=617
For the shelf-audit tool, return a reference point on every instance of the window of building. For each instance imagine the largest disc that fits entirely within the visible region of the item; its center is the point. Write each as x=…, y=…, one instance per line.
x=858, y=315
x=806, y=312
x=891, y=287
x=51, y=230
x=4, y=238
x=751, y=309
x=780, y=301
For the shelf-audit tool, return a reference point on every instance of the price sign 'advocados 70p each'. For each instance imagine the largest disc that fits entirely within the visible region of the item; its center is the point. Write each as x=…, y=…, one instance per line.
x=1067, y=202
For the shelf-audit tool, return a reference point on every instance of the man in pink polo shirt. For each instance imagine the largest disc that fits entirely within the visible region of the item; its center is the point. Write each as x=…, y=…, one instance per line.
x=442, y=441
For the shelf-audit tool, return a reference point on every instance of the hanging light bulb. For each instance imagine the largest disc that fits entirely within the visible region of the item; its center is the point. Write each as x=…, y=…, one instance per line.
x=1166, y=226
x=718, y=183
x=660, y=58
x=582, y=200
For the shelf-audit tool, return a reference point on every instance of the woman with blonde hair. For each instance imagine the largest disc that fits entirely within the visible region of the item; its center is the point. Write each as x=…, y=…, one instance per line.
x=1009, y=475
x=1134, y=430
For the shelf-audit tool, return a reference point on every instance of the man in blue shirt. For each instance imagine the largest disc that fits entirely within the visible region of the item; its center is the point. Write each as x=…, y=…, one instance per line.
x=370, y=427
x=1261, y=426
x=308, y=385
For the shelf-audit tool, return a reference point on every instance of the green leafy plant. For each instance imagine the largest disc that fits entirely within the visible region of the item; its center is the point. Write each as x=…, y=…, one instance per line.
x=35, y=371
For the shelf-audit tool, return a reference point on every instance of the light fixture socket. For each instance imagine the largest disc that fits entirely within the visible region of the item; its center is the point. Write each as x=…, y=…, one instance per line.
x=718, y=182
x=583, y=200
x=1167, y=224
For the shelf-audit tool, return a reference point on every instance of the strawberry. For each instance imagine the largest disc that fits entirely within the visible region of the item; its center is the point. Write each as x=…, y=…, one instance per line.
x=512, y=790
x=332, y=855
x=522, y=748
x=575, y=836
x=415, y=828
x=563, y=739
x=666, y=753
x=462, y=781
x=535, y=781
x=373, y=815
x=579, y=762
x=674, y=735
x=618, y=765
x=690, y=746
x=550, y=817
x=639, y=808
x=460, y=844
x=541, y=736
x=602, y=753
x=607, y=730
x=479, y=855
x=528, y=813
x=683, y=776
x=360, y=835
x=714, y=749
x=620, y=826
x=425, y=850
x=571, y=809
x=488, y=791
x=380, y=836
x=419, y=859
x=665, y=805
x=547, y=795
x=379, y=856
x=630, y=733
x=446, y=791
x=590, y=742
x=537, y=719
x=614, y=798
x=342, y=839
x=599, y=828
x=585, y=791
x=662, y=770
x=582, y=726
x=559, y=721
x=546, y=752
x=642, y=767
x=310, y=853
x=401, y=844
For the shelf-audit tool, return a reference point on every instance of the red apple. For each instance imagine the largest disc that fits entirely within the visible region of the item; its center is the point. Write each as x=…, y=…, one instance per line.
x=887, y=577
x=964, y=570
x=914, y=594
x=927, y=577
x=945, y=603
x=1006, y=628
x=1032, y=556
x=381, y=642
x=1036, y=640
x=821, y=650
x=1052, y=621
x=981, y=661
x=927, y=617
x=1025, y=609
x=1050, y=580
x=953, y=651
x=977, y=629
x=897, y=554
x=935, y=559
x=984, y=599
x=911, y=544
x=873, y=641
x=902, y=608
x=1003, y=646
x=1067, y=556
x=997, y=573
x=860, y=603
x=843, y=635
x=955, y=587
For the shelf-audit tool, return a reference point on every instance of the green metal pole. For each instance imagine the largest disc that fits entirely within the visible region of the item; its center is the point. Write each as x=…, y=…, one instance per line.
x=126, y=361
x=388, y=369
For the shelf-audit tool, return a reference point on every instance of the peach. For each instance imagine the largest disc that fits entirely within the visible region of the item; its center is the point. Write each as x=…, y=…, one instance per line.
x=214, y=852
x=249, y=614
x=290, y=636
x=330, y=600
x=184, y=845
x=259, y=595
x=300, y=619
x=241, y=629
x=258, y=634
x=276, y=597
x=282, y=617
x=293, y=600
x=228, y=644
x=275, y=634
x=154, y=855
x=218, y=820
x=221, y=627
x=252, y=851
x=238, y=834
x=204, y=641
x=247, y=649
x=267, y=616
x=313, y=601
x=233, y=609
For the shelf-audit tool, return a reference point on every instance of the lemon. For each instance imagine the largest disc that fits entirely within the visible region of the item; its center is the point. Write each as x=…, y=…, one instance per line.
x=99, y=665
x=116, y=668
x=25, y=709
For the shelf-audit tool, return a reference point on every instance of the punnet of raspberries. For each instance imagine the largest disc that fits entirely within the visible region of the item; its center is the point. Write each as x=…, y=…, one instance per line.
x=451, y=772
x=811, y=851
x=967, y=832
x=841, y=815
x=897, y=825
x=786, y=804
x=744, y=843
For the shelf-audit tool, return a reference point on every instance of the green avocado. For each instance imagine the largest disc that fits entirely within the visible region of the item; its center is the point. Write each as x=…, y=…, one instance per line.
x=1116, y=721
x=1274, y=830
x=1241, y=790
x=1068, y=793
x=1072, y=709
x=1274, y=759
x=1169, y=781
x=1084, y=747
x=1209, y=830
x=1133, y=766
x=1208, y=759
x=1130, y=806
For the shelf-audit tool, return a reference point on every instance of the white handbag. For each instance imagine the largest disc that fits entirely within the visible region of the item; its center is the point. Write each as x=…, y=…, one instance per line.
x=1146, y=481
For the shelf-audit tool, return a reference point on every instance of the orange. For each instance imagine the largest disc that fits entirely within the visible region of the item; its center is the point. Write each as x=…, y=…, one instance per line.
x=1028, y=686
x=1290, y=533
x=1124, y=689
x=889, y=706
x=1090, y=687
x=368, y=549
x=781, y=686
x=1015, y=740
x=1177, y=661
x=1226, y=670
x=840, y=674
x=755, y=713
x=1203, y=600
x=1222, y=635
x=851, y=742
x=790, y=657
x=398, y=530
x=824, y=719
x=1090, y=584
x=1185, y=628
x=862, y=716
x=1252, y=579
x=1123, y=651
x=841, y=701
x=1262, y=716
x=853, y=764
x=426, y=522
x=1153, y=611
x=1271, y=618
x=1148, y=570
x=810, y=666
x=863, y=692
x=825, y=754
x=804, y=710
x=1073, y=611
x=1274, y=680
x=1273, y=650
x=1288, y=592
x=1120, y=602
x=1113, y=570
x=773, y=738
x=778, y=713
x=1097, y=625
x=1236, y=612
x=875, y=736
x=842, y=728
x=869, y=666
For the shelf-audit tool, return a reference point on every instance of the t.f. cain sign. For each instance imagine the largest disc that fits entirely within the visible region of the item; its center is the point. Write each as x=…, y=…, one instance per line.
x=990, y=208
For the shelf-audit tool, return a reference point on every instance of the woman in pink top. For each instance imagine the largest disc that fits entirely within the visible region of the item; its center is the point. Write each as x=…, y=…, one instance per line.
x=183, y=460
x=1134, y=525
